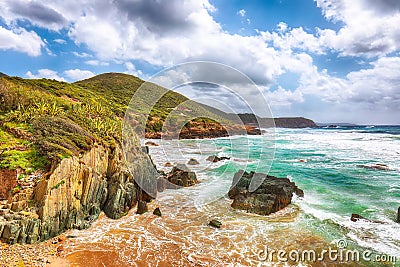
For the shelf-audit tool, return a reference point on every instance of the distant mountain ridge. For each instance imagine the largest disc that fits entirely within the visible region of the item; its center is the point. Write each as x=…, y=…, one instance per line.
x=284, y=122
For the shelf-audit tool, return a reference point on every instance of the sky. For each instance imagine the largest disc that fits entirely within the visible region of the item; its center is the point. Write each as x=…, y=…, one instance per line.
x=328, y=60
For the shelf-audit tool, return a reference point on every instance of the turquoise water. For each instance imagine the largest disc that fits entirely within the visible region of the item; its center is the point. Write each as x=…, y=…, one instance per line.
x=324, y=162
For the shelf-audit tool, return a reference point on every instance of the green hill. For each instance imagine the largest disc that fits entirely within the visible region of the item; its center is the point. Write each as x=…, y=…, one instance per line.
x=43, y=121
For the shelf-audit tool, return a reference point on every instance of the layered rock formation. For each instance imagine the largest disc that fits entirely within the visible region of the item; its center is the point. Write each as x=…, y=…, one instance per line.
x=271, y=196
x=74, y=194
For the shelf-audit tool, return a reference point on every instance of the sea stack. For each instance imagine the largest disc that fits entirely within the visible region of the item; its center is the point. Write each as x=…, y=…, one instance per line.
x=272, y=195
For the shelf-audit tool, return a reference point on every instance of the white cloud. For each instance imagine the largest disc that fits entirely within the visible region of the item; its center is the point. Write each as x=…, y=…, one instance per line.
x=45, y=73
x=131, y=69
x=370, y=27
x=60, y=41
x=77, y=74
x=81, y=55
x=20, y=40
x=97, y=63
x=242, y=13
x=283, y=98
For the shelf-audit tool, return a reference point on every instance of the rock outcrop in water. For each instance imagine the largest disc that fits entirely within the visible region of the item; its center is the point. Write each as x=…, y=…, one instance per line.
x=271, y=196
x=74, y=194
x=216, y=158
x=180, y=175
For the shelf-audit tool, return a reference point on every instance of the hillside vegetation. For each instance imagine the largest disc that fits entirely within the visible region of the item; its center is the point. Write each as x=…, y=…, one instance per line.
x=43, y=121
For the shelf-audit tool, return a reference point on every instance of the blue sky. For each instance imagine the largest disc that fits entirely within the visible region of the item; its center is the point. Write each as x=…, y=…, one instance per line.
x=329, y=60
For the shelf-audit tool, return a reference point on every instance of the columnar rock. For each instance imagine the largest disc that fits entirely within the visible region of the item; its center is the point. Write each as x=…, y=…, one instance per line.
x=272, y=195
x=78, y=189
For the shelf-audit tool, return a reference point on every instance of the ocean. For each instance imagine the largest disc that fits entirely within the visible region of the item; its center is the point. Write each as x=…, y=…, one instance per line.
x=342, y=170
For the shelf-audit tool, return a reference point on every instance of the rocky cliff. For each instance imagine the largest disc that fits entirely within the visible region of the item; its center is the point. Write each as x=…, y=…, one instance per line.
x=74, y=194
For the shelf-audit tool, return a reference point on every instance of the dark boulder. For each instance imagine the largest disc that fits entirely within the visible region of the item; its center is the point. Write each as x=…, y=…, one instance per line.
x=180, y=175
x=157, y=212
x=272, y=195
x=356, y=217
x=142, y=207
x=151, y=143
x=216, y=158
x=398, y=215
x=193, y=162
x=377, y=166
x=215, y=223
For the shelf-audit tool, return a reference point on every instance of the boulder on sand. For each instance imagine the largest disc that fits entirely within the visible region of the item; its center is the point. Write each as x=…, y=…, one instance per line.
x=181, y=175
x=272, y=195
x=193, y=162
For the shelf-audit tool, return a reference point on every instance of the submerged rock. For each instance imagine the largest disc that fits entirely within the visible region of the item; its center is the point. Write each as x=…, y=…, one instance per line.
x=215, y=223
x=193, y=162
x=151, y=143
x=272, y=195
x=157, y=212
x=180, y=175
x=378, y=166
x=216, y=158
x=168, y=164
x=356, y=217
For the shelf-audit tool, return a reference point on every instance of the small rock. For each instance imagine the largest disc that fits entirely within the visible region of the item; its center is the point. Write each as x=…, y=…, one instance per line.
x=215, y=223
x=151, y=143
x=378, y=166
x=193, y=162
x=157, y=212
x=142, y=207
x=60, y=248
x=398, y=215
x=62, y=238
x=216, y=158
x=356, y=217
x=168, y=164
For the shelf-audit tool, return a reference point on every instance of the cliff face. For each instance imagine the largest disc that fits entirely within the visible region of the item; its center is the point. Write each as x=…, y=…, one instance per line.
x=74, y=194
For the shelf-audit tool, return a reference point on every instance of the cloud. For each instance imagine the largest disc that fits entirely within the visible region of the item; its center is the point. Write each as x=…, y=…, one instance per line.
x=370, y=27
x=77, y=74
x=45, y=73
x=81, y=55
x=20, y=40
x=97, y=63
x=283, y=98
x=37, y=13
x=242, y=13
x=60, y=41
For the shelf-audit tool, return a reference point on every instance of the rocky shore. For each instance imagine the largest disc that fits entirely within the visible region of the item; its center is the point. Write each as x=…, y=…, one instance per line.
x=48, y=253
x=73, y=195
